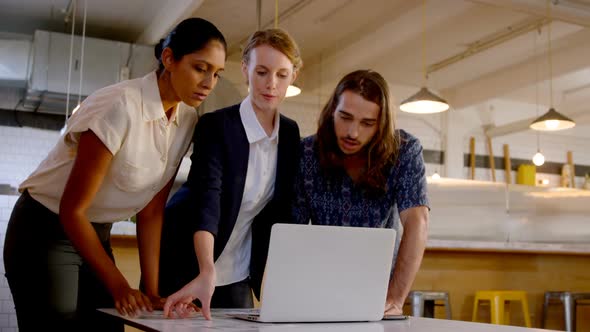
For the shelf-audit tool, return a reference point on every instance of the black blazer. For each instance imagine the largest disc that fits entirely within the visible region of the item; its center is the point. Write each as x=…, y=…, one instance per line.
x=210, y=199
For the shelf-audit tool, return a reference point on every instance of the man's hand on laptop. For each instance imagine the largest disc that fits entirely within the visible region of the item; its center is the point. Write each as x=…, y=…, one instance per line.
x=180, y=304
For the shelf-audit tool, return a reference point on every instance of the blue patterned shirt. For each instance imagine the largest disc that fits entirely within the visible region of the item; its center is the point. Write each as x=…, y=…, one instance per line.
x=336, y=200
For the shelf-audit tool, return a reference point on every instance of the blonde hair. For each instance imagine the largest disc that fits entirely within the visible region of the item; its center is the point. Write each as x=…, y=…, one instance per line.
x=278, y=39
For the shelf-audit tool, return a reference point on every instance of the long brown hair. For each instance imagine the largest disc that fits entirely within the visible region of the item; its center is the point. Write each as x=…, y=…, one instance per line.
x=381, y=152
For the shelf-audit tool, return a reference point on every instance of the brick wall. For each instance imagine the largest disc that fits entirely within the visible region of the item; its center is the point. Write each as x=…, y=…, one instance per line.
x=7, y=313
x=21, y=151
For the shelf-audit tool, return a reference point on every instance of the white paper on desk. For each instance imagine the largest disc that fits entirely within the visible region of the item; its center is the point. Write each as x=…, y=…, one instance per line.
x=221, y=322
x=196, y=323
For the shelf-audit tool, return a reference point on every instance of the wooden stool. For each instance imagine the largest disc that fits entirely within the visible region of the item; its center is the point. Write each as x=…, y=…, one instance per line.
x=497, y=300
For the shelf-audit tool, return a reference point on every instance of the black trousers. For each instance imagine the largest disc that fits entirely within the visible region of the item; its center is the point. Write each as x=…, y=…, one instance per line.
x=51, y=284
x=236, y=295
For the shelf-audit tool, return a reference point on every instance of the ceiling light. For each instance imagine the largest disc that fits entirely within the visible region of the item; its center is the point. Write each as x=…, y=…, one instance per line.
x=424, y=102
x=293, y=90
x=551, y=121
x=538, y=159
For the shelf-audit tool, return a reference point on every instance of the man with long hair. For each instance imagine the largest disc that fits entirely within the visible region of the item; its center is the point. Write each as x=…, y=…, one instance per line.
x=358, y=170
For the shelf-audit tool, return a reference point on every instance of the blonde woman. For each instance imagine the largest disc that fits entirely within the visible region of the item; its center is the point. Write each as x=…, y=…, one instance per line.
x=217, y=226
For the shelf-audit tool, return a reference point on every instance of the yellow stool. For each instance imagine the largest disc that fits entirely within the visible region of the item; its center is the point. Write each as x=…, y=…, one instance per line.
x=497, y=300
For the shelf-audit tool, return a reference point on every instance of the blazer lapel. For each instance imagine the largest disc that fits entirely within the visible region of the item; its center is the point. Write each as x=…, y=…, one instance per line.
x=236, y=167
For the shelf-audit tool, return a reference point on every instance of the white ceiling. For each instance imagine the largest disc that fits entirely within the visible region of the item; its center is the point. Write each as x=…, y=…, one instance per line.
x=337, y=36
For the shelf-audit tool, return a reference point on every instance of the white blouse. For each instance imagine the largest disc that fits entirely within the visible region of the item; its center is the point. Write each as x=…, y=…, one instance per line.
x=233, y=264
x=147, y=148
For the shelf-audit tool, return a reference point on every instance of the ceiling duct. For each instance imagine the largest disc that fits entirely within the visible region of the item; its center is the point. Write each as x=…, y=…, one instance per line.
x=106, y=62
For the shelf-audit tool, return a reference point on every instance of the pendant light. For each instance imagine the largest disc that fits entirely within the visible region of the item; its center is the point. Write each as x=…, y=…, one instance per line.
x=538, y=158
x=424, y=101
x=552, y=120
x=293, y=90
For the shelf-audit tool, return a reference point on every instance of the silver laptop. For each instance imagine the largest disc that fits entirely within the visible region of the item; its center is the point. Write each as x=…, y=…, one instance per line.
x=325, y=274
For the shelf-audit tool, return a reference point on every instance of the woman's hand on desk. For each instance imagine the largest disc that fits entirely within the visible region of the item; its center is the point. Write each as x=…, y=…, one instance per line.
x=181, y=302
x=157, y=302
x=130, y=302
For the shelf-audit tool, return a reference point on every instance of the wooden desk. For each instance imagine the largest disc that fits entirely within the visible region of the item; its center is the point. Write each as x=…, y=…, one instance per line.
x=221, y=322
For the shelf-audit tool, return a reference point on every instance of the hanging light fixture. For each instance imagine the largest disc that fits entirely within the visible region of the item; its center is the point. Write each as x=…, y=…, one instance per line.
x=424, y=101
x=552, y=120
x=538, y=158
x=293, y=90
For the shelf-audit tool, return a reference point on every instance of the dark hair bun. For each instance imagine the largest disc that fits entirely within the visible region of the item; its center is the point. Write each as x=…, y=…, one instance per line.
x=158, y=49
x=188, y=36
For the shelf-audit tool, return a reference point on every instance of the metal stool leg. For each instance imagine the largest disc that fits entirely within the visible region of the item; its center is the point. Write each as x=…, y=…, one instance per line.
x=569, y=307
x=545, y=309
x=448, y=307
x=417, y=305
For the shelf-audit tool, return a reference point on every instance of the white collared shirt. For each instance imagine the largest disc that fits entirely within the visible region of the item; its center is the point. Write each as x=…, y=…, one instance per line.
x=147, y=148
x=233, y=264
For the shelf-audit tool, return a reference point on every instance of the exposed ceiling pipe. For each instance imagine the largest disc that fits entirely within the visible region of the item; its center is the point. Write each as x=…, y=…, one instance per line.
x=492, y=40
x=235, y=48
x=568, y=11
